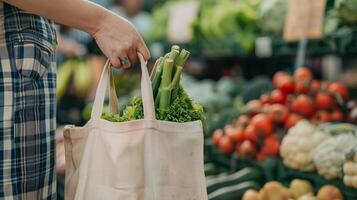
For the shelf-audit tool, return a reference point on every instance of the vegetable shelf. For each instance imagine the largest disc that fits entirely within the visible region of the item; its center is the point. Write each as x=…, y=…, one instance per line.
x=274, y=169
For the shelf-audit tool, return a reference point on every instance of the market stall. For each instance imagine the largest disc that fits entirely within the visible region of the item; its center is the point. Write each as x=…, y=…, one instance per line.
x=279, y=114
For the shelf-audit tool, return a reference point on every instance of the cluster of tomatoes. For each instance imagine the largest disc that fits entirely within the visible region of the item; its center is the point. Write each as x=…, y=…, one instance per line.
x=295, y=97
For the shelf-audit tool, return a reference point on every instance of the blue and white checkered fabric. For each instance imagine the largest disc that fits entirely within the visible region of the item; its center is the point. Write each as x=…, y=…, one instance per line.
x=27, y=106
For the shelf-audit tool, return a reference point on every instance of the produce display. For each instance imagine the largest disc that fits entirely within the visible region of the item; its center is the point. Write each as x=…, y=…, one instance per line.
x=272, y=132
x=329, y=156
x=232, y=186
x=171, y=100
x=350, y=167
x=77, y=71
x=298, y=190
x=304, y=142
x=257, y=134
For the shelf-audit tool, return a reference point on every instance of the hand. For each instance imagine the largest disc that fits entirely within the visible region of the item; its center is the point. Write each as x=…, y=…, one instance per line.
x=119, y=40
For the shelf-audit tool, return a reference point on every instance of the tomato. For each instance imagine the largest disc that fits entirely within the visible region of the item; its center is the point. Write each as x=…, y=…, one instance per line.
x=325, y=85
x=315, y=86
x=286, y=85
x=229, y=131
x=292, y=120
x=271, y=147
x=254, y=106
x=278, y=97
x=261, y=156
x=264, y=99
x=266, y=108
x=303, y=105
x=278, y=113
x=302, y=74
x=235, y=134
x=301, y=87
x=217, y=135
x=339, y=88
x=242, y=121
x=225, y=145
x=337, y=115
x=324, y=101
x=320, y=117
x=247, y=150
x=250, y=133
x=278, y=76
x=263, y=124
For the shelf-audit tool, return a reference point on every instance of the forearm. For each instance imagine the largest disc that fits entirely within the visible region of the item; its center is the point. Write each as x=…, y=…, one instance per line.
x=80, y=14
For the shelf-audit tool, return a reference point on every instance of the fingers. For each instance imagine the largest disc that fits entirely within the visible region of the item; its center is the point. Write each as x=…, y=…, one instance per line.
x=144, y=51
x=120, y=59
x=132, y=55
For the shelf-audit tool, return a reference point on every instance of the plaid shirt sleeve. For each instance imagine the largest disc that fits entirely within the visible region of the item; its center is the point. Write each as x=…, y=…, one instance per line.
x=27, y=105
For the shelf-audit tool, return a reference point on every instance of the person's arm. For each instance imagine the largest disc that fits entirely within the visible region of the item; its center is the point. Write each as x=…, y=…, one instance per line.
x=116, y=37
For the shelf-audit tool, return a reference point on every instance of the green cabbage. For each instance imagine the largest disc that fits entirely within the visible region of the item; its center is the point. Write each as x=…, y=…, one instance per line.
x=271, y=16
x=347, y=10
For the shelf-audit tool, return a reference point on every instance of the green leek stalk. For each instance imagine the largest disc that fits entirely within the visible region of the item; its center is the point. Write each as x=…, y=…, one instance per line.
x=175, y=47
x=176, y=83
x=157, y=77
x=165, y=90
x=154, y=69
x=180, y=62
x=182, y=58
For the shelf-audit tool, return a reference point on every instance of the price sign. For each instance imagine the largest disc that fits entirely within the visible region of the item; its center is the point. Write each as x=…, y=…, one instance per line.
x=182, y=14
x=304, y=19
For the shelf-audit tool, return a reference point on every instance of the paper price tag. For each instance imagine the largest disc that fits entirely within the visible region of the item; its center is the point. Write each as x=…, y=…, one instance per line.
x=182, y=15
x=304, y=19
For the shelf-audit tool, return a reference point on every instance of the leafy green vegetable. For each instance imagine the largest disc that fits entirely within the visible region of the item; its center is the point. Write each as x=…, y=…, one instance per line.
x=347, y=10
x=271, y=16
x=172, y=103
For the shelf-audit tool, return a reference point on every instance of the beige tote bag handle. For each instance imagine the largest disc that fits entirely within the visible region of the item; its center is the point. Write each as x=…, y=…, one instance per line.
x=146, y=92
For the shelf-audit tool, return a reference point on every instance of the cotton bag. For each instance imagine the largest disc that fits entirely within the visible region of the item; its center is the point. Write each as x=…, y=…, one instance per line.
x=144, y=159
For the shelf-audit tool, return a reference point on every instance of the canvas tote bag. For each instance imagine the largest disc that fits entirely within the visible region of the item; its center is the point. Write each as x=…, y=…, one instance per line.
x=143, y=159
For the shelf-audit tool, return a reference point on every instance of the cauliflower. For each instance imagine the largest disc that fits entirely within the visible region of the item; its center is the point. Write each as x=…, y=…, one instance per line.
x=350, y=168
x=298, y=144
x=329, y=156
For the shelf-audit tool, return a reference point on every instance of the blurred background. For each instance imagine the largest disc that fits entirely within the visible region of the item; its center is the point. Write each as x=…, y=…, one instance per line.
x=236, y=48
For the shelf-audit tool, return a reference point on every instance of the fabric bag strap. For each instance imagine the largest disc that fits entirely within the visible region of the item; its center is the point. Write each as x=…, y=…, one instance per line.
x=146, y=92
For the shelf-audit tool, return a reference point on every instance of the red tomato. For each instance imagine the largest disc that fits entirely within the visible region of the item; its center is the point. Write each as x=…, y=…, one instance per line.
x=250, y=133
x=263, y=124
x=320, y=117
x=337, y=115
x=325, y=85
x=242, y=121
x=264, y=99
x=266, y=108
x=303, y=105
x=278, y=76
x=301, y=87
x=271, y=147
x=217, y=135
x=286, y=85
x=302, y=74
x=229, y=131
x=247, y=150
x=324, y=101
x=278, y=113
x=292, y=120
x=339, y=88
x=278, y=97
x=235, y=134
x=254, y=106
x=315, y=86
x=226, y=145
x=261, y=156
